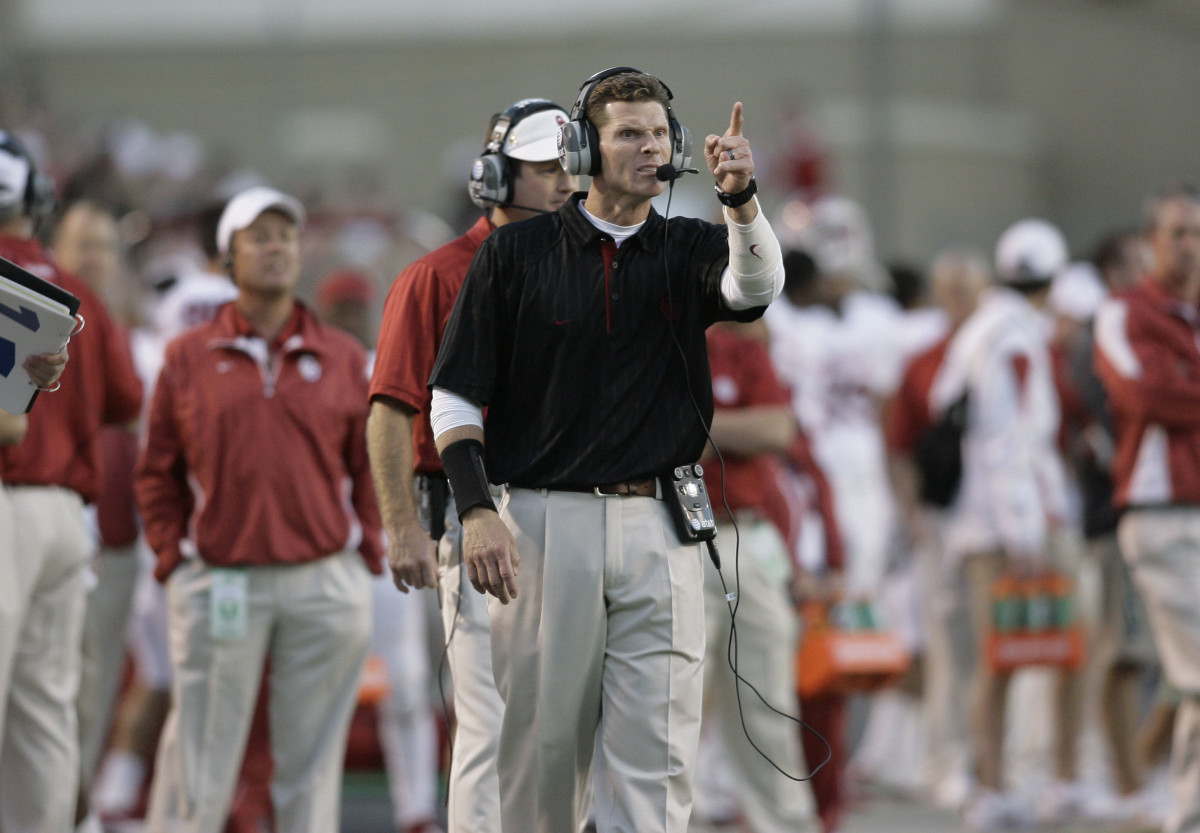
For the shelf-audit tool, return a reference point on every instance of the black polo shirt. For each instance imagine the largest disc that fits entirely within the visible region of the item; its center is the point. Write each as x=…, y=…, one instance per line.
x=568, y=341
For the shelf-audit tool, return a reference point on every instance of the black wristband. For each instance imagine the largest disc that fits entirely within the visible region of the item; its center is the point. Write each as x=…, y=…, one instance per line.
x=463, y=463
x=741, y=197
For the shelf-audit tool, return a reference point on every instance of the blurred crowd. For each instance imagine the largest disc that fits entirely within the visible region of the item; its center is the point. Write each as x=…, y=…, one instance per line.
x=992, y=348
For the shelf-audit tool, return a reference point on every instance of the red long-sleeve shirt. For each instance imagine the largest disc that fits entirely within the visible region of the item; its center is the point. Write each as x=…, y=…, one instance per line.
x=99, y=386
x=248, y=459
x=414, y=319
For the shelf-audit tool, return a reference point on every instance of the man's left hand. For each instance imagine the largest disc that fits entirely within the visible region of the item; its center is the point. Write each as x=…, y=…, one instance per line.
x=44, y=369
x=728, y=157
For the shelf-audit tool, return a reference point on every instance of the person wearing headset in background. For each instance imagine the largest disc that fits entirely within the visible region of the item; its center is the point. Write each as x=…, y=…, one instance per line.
x=255, y=491
x=517, y=177
x=48, y=477
x=582, y=332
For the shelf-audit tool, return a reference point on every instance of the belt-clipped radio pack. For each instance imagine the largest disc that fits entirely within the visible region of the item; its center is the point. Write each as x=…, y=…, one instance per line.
x=684, y=492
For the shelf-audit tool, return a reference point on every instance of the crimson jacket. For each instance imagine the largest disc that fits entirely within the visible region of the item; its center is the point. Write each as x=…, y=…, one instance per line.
x=247, y=460
x=1146, y=355
x=99, y=386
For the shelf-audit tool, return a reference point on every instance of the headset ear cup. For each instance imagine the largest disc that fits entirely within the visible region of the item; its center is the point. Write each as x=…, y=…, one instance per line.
x=681, y=145
x=40, y=200
x=574, y=153
x=593, y=136
x=489, y=185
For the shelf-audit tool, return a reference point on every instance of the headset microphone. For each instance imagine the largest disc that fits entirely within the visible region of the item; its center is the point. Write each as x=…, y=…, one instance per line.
x=669, y=173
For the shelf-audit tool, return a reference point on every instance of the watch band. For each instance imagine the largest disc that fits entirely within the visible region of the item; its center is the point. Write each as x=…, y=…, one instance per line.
x=741, y=197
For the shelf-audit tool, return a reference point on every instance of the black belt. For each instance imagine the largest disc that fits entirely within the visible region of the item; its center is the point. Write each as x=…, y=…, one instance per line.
x=639, y=486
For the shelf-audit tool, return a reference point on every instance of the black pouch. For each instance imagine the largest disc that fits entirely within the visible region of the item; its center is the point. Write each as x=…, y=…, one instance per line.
x=939, y=455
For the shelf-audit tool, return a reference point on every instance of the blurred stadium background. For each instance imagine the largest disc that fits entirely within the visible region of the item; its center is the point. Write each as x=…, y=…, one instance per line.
x=946, y=118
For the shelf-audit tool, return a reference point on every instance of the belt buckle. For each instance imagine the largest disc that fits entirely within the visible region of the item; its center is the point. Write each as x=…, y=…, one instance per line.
x=598, y=493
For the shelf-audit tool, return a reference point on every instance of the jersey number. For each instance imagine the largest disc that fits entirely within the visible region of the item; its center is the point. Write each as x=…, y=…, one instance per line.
x=28, y=319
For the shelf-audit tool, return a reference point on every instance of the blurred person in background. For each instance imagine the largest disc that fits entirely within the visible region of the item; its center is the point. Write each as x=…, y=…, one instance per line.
x=1121, y=646
x=1147, y=356
x=518, y=176
x=256, y=429
x=958, y=276
x=840, y=353
x=87, y=243
x=752, y=428
x=49, y=477
x=814, y=537
x=1011, y=495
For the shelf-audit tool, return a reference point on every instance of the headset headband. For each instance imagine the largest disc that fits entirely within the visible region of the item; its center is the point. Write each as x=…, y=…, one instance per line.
x=579, y=111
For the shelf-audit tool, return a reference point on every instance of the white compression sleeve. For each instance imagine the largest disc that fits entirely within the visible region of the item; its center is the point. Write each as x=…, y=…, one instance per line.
x=449, y=410
x=754, y=277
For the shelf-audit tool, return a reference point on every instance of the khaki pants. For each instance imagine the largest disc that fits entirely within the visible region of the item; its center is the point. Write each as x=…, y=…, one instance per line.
x=109, y=605
x=313, y=621
x=601, y=652
x=474, y=801
x=766, y=649
x=40, y=656
x=1162, y=548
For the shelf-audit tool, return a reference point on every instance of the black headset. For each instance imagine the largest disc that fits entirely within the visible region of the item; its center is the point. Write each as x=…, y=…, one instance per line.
x=491, y=180
x=579, y=141
x=37, y=199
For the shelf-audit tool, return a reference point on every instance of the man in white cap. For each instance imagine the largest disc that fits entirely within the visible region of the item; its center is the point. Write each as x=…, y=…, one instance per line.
x=1011, y=496
x=517, y=176
x=257, y=425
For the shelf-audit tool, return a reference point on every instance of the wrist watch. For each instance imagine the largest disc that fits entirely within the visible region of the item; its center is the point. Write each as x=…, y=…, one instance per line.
x=741, y=197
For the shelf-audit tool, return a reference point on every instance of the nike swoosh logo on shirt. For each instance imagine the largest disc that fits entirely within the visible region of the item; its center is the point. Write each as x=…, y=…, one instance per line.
x=564, y=321
x=754, y=246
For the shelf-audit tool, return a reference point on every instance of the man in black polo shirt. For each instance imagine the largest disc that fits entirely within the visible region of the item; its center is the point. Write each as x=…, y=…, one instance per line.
x=582, y=331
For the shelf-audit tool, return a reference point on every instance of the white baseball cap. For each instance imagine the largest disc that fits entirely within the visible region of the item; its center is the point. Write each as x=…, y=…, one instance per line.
x=1077, y=292
x=245, y=207
x=535, y=137
x=1030, y=252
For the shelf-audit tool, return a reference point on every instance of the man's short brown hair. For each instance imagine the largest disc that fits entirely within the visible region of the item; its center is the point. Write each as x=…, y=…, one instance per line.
x=628, y=86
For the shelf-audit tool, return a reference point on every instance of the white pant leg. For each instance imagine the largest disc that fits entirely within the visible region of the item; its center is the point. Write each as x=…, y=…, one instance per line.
x=318, y=648
x=766, y=643
x=1162, y=548
x=109, y=605
x=653, y=675
x=948, y=660
x=39, y=759
x=214, y=690
x=474, y=801
x=548, y=662
x=407, y=732
x=148, y=630
x=12, y=601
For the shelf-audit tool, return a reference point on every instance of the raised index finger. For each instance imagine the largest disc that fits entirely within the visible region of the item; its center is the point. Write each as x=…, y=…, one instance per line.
x=735, y=120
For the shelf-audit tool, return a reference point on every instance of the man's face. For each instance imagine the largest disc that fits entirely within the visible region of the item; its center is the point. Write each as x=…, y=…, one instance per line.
x=954, y=287
x=87, y=245
x=543, y=185
x=266, y=256
x=635, y=139
x=1175, y=244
